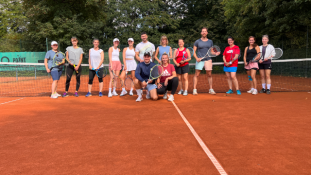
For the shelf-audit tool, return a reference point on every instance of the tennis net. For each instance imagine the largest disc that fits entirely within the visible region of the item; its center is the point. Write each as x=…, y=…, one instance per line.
x=31, y=79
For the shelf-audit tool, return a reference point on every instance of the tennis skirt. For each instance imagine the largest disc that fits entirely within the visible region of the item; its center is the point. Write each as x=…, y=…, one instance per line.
x=116, y=65
x=252, y=65
x=131, y=65
x=230, y=69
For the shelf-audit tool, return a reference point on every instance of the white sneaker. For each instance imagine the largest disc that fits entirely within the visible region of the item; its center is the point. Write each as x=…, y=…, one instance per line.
x=140, y=98
x=58, y=95
x=185, y=93
x=250, y=91
x=165, y=96
x=171, y=98
x=123, y=93
x=109, y=94
x=148, y=95
x=54, y=96
x=195, y=92
x=114, y=93
x=255, y=92
x=180, y=92
x=131, y=93
x=211, y=91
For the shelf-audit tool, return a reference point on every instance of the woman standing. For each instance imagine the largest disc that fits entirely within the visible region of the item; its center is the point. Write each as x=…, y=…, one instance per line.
x=96, y=59
x=129, y=64
x=74, y=56
x=164, y=48
x=56, y=72
x=230, y=57
x=265, y=66
x=181, y=61
x=252, y=51
x=168, y=81
x=114, y=65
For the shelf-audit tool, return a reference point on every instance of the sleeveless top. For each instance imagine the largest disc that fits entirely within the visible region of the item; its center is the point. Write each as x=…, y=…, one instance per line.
x=115, y=54
x=162, y=49
x=95, y=57
x=130, y=53
x=250, y=54
x=181, y=54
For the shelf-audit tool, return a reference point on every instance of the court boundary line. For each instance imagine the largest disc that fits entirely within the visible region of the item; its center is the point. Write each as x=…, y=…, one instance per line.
x=11, y=101
x=210, y=155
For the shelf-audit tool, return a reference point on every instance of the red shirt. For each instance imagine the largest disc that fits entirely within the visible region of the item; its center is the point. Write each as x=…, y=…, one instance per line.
x=167, y=72
x=228, y=56
x=180, y=55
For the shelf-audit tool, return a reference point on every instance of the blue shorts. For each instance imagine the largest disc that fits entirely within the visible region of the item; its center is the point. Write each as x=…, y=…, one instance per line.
x=56, y=74
x=230, y=69
x=151, y=87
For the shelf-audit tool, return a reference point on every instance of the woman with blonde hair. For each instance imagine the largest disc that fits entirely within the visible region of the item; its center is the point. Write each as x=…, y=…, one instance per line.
x=114, y=65
x=164, y=48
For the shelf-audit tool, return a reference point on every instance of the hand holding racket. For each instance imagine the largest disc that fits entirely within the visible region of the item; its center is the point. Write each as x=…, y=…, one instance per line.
x=58, y=59
x=212, y=52
x=71, y=55
x=235, y=55
x=100, y=72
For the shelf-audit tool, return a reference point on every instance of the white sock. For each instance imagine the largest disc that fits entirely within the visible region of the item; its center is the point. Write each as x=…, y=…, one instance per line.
x=109, y=90
x=138, y=92
x=123, y=89
x=268, y=86
x=185, y=91
x=181, y=90
x=114, y=89
x=252, y=89
x=131, y=89
x=263, y=85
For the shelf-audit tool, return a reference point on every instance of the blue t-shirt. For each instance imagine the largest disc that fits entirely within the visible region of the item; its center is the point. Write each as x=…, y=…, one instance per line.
x=49, y=56
x=162, y=49
x=202, y=48
x=142, y=72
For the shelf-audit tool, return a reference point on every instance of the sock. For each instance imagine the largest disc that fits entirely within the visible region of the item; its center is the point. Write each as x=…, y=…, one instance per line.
x=263, y=85
x=181, y=90
x=114, y=89
x=185, y=91
x=123, y=89
x=139, y=92
x=268, y=86
x=131, y=89
x=110, y=90
x=252, y=89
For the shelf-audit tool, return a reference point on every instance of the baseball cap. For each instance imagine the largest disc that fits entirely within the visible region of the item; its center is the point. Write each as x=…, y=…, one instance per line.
x=147, y=54
x=53, y=42
x=130, y=39
x=116, y=39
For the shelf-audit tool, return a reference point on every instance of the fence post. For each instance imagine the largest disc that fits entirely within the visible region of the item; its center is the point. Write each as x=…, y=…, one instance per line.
x=35, y=73
x=16, y=74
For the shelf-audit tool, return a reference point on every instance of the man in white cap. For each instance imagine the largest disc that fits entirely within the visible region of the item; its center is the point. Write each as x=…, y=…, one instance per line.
x=143, y=47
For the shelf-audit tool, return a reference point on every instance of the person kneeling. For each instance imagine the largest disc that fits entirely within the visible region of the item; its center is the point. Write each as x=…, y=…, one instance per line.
x=168, y=80
x=142, y=81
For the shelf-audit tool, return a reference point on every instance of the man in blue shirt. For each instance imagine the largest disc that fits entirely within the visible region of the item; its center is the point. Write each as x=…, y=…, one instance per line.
x=142, y=75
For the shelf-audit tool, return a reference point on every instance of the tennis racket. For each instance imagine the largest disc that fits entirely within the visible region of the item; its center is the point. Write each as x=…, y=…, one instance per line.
x=256, y=58
x=128, y=82
x=212, y=52
x=101, y=72
x=191, y=51
x=235, y=55
x=155, y=72
x=71, y=56
x=116, y=80
x=58, y=59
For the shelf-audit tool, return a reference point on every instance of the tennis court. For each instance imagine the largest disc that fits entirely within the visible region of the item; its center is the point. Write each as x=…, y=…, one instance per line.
x=204, y=134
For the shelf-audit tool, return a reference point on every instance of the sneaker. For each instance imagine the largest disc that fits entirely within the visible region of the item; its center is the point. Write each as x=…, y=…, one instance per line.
x=100, y=94
x=262, y=91
x=250, y=91
x=114, y=93
x=185, y=93
x=229, y=92
x=211, y=91
x=123, y=93
x=171, y=98
x=195, y=92
x=180, y=92
x=268, y=91
x=238, y=92
x=131, y=93
x=65, y=94
x=140, y=98
x=255, y=92
x=54, y=96
x=148, y=95
x=58, y=95
x=165, y=96
x=109, y=94
x=88, y=94
x=76, y=94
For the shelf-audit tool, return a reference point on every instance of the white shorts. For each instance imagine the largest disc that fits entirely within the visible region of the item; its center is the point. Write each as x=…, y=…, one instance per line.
x=131, y=65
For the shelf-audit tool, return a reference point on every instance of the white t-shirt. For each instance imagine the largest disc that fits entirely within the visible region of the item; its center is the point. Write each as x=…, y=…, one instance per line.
x=143, y=47
x=95, y=58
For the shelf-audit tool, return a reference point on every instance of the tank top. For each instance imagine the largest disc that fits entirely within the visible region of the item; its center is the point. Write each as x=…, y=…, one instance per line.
x=95, y=58
x=181, y=54
x=130, y=53
x=162, y=49
x=115, y=55
x=250, y=54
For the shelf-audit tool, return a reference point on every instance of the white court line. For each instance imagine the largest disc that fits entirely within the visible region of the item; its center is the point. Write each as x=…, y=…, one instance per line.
x=204, y=147
x=11, y=101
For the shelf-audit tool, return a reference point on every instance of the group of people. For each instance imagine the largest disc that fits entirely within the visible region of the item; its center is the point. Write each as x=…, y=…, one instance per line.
x=173, y=75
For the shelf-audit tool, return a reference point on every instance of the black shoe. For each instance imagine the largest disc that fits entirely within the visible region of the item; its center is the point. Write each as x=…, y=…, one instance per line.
x=268, y=91
x=262, y=91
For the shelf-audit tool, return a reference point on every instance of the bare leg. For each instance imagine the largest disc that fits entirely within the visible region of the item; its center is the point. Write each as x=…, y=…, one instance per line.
x=249, y=74
x=229, y=80
x=90, y=88
x=111, y=78
x=234, y=80
x=179, y=81
x=262, y=76
x=54, y=85
x=186, y=81
x=268, y=78
x=154, y=94
x=209, y=78
x=101, y=85
x=253, y=75
x=195, y=78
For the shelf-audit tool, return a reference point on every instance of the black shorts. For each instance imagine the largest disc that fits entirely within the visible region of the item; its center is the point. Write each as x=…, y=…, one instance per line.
x=265, y=66
x=182, y=70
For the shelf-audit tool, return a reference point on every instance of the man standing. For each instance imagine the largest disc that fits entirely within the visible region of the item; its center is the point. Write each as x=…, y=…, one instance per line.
x=143, y=47
x=200, y=48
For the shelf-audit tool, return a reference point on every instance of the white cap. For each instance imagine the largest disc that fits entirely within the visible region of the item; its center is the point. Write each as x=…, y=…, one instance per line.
x=130, y=39
x=116, y=39
x=53, y=42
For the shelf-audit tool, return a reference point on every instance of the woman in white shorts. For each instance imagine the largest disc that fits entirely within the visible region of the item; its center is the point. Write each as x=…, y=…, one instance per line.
x=129, y=64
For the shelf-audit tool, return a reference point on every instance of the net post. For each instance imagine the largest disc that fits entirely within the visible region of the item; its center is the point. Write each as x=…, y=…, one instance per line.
x=35, y=73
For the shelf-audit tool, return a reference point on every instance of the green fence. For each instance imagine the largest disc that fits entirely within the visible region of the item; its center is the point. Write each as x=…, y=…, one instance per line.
x=22, y=57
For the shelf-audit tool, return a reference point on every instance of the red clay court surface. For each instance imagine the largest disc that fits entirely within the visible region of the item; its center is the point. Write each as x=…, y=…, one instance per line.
x=262, y=134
